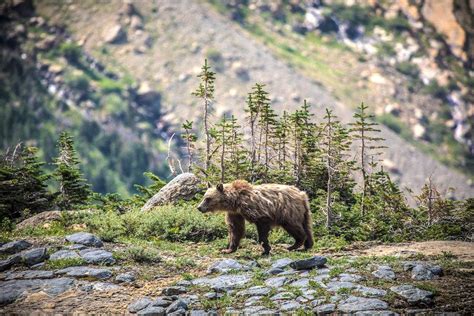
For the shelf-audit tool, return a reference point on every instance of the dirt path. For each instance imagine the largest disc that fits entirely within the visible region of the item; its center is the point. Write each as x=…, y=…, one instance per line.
x=462, y=250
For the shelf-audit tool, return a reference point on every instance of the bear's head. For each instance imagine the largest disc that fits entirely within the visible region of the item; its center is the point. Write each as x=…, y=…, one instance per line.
x=214, y=200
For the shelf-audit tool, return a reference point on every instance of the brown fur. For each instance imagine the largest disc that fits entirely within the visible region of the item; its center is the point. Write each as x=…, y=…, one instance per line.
x=267, y=206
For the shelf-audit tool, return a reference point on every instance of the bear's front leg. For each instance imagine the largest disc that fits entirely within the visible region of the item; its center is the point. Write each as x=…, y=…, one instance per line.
x=263, y=229
x=236, y=226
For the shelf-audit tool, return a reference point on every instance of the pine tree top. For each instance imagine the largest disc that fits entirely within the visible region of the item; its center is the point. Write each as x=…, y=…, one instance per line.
x=206, y=86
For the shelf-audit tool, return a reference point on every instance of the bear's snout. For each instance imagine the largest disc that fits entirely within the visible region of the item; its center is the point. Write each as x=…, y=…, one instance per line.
x=200, y=209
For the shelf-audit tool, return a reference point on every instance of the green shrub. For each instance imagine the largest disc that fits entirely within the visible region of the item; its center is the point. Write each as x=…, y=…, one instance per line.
x=80, y=82
x=408, y=69
x=64, y=263
x=139, y=254
x=71, y=51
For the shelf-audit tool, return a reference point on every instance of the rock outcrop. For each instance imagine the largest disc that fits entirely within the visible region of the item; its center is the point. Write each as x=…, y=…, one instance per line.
x=184, y=187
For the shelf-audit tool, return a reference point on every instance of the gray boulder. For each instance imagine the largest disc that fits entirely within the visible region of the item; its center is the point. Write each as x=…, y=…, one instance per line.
x=9, y=262
x=325, y=309
x=223, y=282
x=64, y=254
x=153, y=311
x=29, y=274
x=276, y=282
x=255, y=291
x=34, y=256
x=174, y=290
x=306, y=264
x=82, y=272
x=85, y=239
x=177, y=305
x=14, y=247
x=127, y=277
x=355, y=304
x=139, y=304
x=335, y=286
x=376, y=313
x=384, y=272
x=183, y=187
x=412, y=294
x=290, y=306
x=281, y=263
x=97, y=256
x=226, y=265
x=370, y=291
x=162, y=301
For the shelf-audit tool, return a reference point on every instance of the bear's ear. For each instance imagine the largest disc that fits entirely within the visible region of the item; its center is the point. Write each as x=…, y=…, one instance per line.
x=220, y=187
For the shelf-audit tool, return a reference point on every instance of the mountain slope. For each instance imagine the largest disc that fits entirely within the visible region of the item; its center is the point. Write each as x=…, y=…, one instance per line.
x=183, y=33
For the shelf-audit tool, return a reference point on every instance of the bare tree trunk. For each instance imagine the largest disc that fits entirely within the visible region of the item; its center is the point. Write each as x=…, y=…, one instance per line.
x=364, y=174
x=206, y=127
x=223, y=152
x=329, y=183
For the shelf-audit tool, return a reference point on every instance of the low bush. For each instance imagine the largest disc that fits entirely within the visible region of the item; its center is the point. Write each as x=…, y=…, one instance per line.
x=139, y=254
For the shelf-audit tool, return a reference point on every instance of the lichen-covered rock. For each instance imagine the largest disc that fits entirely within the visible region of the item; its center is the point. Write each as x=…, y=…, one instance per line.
x=64, y=254
x=177, y=305
x=412, y=294
x=384, y=272
x=85, y=239
x=281, y=263
x=354, y=304
x=325, y=309
x=223, y=282
x=97, y=256
x=82, y=272
x=255, y=291
x=183, y=187
x=276, y=282
x=126, y=277
x=152, y=311
x=226, y=265
x=174, y=290
x=29, y=274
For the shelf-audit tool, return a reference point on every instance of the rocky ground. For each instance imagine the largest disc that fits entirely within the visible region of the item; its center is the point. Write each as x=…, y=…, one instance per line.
x=79, y=273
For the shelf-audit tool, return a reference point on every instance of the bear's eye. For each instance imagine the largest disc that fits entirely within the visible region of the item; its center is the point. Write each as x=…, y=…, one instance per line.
x=207, y=200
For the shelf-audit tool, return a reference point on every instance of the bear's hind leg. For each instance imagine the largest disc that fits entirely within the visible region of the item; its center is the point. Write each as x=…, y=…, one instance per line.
x=263, y=229
x=297, y=232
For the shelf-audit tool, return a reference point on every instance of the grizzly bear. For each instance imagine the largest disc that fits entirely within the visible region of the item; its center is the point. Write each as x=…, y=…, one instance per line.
x=266, y=206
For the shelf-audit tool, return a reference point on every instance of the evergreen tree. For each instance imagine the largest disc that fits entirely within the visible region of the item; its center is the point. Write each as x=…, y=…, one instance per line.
x=362, y=131
x=73, y=188
x=205, y=91
x=238, y=164
x=265, y=121
x=190, y=139
x=253, y=113
x=335, y=147
x=23, y=188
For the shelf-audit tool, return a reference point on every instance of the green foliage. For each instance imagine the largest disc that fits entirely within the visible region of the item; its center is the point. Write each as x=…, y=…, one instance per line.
x=23, y=187
x=64, y=263
x=409, y=69
x=139, y=254
x=73, y=189
x=71, y=51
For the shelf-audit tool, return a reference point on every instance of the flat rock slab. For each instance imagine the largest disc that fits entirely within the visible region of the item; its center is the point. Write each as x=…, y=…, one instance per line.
x=12, y=290
x=64, y=254
x=276, y=282
x=376, y=313
x=384, y=272
x=227, y=265
x=97, y=256
x=355, y=304
x=335, y=286
x=412, y=294
x=29, y=274
x=370, y=291
x=152, y=311
x=325, y=309
x=223, y=282
x=14, y=247
x=126, y=277
x=86, y=272
x=281, y=263
x=87, y=239
x=139, y=304
x=9, y=262
x=307, y=264
x=34, y=256
x=255, y=291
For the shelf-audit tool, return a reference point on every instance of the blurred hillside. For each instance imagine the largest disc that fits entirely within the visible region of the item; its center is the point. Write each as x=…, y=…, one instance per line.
x=120, y=76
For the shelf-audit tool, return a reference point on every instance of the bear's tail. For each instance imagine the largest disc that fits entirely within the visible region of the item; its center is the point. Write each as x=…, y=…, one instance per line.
x=308, y=226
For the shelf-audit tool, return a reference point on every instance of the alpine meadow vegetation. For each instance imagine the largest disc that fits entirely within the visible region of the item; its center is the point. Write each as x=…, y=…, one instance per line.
x=352, y=197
